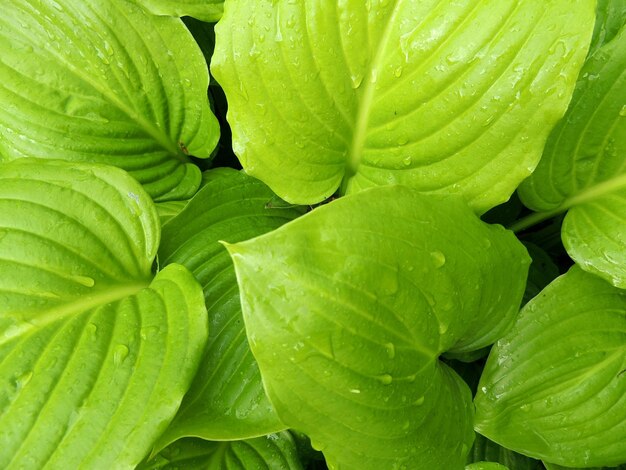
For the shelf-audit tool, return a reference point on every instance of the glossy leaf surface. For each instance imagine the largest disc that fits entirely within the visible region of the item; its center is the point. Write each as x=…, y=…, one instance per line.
x=349, y=307
x=106, y=82
x=451, y=97
x=226, y=400
x=584, y=167
x=272, y=452
x=553, y=387
x=485, y=450
x=95, y=355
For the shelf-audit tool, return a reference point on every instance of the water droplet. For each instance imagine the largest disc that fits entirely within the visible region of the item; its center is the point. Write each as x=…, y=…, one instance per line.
x=355, y=390
x=374, y=76
x=84, y=280
x=385, y=379
x=443, y=327
x=148, y=332
x=391, y=350
x=439, y=259
x=398, y=72
x=356, y=80
x=622, y=112
x=92, y=329
x=23, y=380
x=120, y=353
x=407, y=161
x=419, y=401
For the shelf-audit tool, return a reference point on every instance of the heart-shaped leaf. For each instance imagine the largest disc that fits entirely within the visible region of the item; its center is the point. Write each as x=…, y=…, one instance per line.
x=205, y=10
x=95, y=355
x=554, y=387
x=456, y=97
x=272, y=452
x=348, y=308
x=226, y=399
x=583, y=167
x=104, y=81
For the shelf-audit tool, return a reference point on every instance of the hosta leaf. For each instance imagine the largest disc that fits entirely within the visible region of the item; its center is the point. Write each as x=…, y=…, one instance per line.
x=486, y=466
x=610, y=17
x=552, y=466
x=95, y=81
x=94, y=355
x=226, y=400
x=456, y=97
x=553, y=387
x=485, y=450
x=272, y=452
x=348, y=308
x=584, y=167
x=205, y=10
x=542, y=271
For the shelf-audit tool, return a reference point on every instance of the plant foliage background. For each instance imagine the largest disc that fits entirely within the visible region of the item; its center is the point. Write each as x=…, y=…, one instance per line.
x=280, y=234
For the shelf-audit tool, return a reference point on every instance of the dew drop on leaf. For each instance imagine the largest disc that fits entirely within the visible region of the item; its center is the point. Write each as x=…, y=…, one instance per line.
x=439, y=259
x=22, y=380
x=391, y=350
x=120, y=352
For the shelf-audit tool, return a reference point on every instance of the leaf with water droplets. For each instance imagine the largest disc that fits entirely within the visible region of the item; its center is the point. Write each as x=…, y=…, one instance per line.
x=272, y=452
x=95, y=352
x=554, y=387
x=349, y=307
x=583, y=169
x=452, y=97
x=105, y=82
x=226, y=399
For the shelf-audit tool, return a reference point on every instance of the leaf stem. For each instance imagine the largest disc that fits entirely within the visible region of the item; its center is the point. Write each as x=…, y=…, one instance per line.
x=589, y=194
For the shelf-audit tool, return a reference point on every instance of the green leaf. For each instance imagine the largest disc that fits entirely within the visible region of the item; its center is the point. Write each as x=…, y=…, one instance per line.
x=451, y=97
x=583, y=167
x=226, y=399
x=205, y=10
x=552, y=466
x=610, y=18
x=93, y=81
x=169, y=209
x=553, y=387
x=94, y=355
x=271, y=452
x=542, y=271
x=348, y=308
x=485, y=450
x=486, y=466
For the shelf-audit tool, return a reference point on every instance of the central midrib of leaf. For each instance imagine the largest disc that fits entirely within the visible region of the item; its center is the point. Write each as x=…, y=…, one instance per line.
x=109, y=294
x=148, y=127
x=366, y=101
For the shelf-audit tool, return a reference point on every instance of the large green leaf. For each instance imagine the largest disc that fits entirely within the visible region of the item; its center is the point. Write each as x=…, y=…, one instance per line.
x=485, y=450
x=584, y=167
x=348, y=308
x=486, y=466
x=226, y=399
x=205, y=10
x=103, y=81
x=553, y=387
x=455, y=97
x=552, y=466
x=610, y=18
x=271, y=452
x=94, y=355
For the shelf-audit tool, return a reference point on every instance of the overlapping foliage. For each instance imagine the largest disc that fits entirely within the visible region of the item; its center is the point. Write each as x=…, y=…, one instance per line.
x=333, y=304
